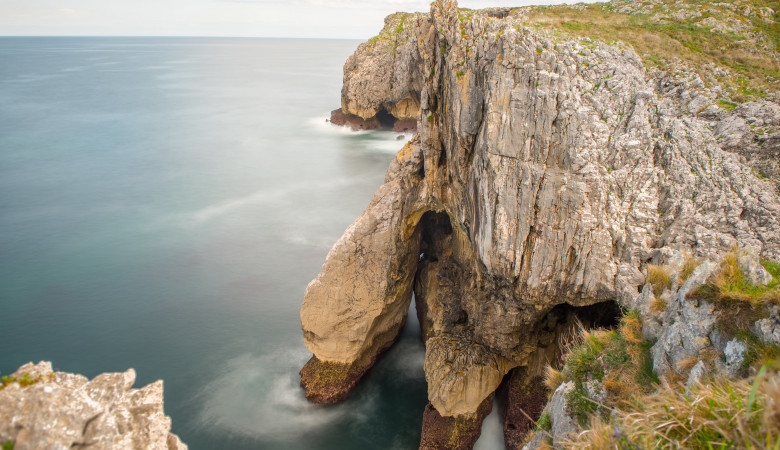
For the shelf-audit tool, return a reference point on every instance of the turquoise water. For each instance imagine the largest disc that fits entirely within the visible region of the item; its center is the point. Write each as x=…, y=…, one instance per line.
x=163, y=204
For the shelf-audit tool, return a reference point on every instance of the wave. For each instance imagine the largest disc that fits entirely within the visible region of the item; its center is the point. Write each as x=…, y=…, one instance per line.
x=267, y=196
x=260, y=397
x=380, y=141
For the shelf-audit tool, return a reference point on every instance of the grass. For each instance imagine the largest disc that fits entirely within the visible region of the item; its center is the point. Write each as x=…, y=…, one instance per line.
x=23, y=382
x=689, y=265
x=754, y=70
x=544, y=422
x=618, y=360
x=8, y=445
x=729, y=284
x=659, y=278
x=721, y=414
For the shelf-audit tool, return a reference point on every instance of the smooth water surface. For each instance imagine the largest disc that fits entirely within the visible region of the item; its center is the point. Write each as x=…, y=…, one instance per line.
x=163, y=204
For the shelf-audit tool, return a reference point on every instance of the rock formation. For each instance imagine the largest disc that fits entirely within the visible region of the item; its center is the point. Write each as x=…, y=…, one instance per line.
x=546, y=173
x=40, y=408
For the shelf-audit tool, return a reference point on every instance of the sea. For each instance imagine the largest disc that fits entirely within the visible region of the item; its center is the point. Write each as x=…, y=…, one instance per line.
x=163, y=204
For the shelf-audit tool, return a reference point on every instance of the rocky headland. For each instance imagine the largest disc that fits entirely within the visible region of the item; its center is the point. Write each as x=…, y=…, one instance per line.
x=40, y=408
x=564, y=158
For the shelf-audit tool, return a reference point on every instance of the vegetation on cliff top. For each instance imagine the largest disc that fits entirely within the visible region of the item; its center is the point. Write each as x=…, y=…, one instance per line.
x=738, y=37
x=719, y=415
x=606, y=366
x=620, y=403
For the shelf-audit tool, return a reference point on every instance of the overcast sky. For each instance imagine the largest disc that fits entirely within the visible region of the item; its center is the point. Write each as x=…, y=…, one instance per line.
x=359, y=19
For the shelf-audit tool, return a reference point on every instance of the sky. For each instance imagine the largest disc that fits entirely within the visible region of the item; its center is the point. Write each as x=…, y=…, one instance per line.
x=338, y=19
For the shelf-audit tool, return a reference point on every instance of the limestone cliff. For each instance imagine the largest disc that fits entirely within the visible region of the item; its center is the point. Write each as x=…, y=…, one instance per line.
x=40, y=408
x=548, y=170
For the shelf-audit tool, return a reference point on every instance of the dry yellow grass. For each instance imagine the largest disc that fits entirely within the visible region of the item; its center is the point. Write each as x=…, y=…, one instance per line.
x=722, y=414
x=729, y=284
x=659, y=277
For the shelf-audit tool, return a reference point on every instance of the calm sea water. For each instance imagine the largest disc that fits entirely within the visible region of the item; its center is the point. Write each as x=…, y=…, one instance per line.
x=163, y=204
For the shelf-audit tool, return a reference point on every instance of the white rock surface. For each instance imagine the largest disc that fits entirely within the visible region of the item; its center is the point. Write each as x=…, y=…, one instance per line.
x=64, y=411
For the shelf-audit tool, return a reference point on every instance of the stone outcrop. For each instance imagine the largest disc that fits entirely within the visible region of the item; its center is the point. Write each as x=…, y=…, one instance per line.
x=60, y=410
x=547, y=172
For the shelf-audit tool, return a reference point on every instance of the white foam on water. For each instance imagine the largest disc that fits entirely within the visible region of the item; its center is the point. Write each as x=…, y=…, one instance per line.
x=492, y=436
x=260, y=396
x=381, y=141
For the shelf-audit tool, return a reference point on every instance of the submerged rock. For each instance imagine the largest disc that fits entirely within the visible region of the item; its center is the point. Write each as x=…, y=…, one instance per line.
x=62, y=411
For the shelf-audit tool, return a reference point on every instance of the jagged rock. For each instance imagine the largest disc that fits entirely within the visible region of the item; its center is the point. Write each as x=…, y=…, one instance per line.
x=452, y=433
x=755, y=273
x=382, y=73
x=546, y=173
x=63, y=411
x=753, y=131
x=686, y=326
x=697, y=374
x=337, y=117
x=735, y=353
x=768, y=329
x=526, y=399
x=563, y=425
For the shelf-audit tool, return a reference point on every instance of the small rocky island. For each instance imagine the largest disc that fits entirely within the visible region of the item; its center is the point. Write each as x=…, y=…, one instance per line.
x=588, y=217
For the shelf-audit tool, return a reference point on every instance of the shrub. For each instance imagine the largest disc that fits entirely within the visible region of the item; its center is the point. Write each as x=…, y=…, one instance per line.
x=729, y=284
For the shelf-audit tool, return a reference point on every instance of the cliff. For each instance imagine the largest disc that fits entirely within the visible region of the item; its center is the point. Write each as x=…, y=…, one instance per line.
x=40, y=408
x=548, y=172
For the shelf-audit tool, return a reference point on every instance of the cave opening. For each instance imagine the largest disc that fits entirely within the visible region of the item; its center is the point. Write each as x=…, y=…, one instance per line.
x=435, y=228
x=523, y=394
x=386, y=120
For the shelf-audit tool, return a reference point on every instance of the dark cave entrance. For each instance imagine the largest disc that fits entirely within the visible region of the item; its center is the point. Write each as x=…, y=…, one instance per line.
x=435, y=228
x=386, y=120
x=523, y=393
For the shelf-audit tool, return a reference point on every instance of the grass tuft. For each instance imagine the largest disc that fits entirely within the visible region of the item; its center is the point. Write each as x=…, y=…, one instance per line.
x=729, y=284
x=659, y=277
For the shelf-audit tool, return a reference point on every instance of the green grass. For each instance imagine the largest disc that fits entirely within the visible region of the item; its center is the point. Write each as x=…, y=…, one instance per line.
x=544, y=422
x=659, y=44
x=8, y=445
x=729, y=284
x=23, y=382
x=729, y=106
x=619, y=360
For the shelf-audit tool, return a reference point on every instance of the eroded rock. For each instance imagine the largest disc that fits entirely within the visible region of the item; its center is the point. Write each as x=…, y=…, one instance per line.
x=64, y=411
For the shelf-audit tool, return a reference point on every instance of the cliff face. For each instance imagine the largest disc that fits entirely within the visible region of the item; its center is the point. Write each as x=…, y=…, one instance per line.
x=547, y=172
x=40, y=408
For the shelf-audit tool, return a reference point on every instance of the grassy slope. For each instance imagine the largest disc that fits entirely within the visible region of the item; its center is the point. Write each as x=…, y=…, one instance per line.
x=749, y=56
